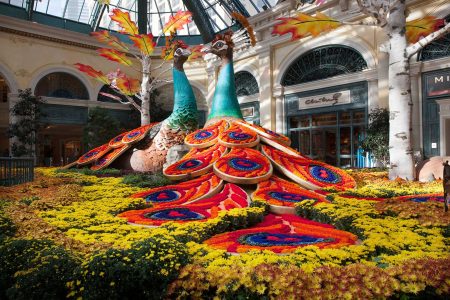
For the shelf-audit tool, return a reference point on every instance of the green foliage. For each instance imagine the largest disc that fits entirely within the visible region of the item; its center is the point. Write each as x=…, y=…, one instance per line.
x=35, y=269
x=29, y=200
x=7, y=227
x=100, y=128
x=142, y=272
x=144, y=180
x=377, y=139
x=87, y=171
x=28, y=113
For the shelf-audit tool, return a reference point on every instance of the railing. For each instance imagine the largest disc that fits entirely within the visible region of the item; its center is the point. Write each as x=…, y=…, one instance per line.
x=16, y=170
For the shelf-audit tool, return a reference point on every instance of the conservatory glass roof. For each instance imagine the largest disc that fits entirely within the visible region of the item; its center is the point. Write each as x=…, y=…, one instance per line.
x=89, y=15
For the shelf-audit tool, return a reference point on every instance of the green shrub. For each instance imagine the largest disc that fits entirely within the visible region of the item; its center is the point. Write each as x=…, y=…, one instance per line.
x=35, y=269
x=87, y=171
x=142, y=272
x=144, y=180
x=7, y=227
x=29, y=200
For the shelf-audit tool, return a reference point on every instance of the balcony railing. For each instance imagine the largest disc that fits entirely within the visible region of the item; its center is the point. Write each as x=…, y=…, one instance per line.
x=16, y=170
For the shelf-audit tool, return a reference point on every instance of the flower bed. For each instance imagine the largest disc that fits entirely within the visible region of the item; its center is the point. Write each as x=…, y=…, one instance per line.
x=388, y=248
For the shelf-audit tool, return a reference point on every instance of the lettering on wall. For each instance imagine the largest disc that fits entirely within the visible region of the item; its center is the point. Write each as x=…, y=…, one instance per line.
x=438, y=85
x=332, y=99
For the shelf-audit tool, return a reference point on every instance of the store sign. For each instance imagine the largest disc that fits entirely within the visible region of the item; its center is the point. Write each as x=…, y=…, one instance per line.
x=438, y=85
x=332, y=99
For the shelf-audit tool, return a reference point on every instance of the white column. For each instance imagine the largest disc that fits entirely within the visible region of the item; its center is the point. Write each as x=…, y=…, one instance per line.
x=416, y=120
x=212, y=80
x=280, y=124
x=266, y=102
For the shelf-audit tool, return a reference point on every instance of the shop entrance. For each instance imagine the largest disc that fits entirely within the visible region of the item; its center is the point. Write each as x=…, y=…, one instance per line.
x=61, y=144
x=333, y=138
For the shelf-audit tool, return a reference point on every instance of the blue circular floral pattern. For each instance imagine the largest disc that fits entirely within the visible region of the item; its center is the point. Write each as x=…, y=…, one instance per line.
x=426, y=199
x=163, y=196
x=189, y=164
x=132, y=134
x=239, y=136
x=288, y=197
x=202, y=135
x=90, y=154
x=324, y=174
x=243, y=164
x=175, y=214
x=265, y=239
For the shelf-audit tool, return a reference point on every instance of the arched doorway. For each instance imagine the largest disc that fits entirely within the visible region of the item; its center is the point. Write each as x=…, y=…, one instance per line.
x=60, y=141
x=436, y=100
x=327, y=123
x=164, y=103
x=247, y=91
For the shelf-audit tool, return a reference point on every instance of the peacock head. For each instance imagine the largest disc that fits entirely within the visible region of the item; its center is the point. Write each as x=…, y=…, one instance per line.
x=222, y=46
x=180, y=54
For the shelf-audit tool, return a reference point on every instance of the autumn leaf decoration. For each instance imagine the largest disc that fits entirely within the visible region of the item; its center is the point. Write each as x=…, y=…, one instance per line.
x=196, y=52
x=177, y=22
x=128, y=86
x=419, y=28
x=124, y=20
x=93, y=73
x=105, y=37
x=144, y=42
x=304, y=25
x=115, y=55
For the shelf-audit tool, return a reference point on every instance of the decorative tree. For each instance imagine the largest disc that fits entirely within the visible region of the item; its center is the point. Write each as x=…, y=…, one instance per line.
x=121, y=53
x=100, y=128
x=377, y=140
x=28, y=113
x=404, y=40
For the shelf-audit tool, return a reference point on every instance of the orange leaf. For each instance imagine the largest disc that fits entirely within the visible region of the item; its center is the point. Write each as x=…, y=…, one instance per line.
x=144, y=42
x=128, y=86
x=105, y=37
x=304, y=25
x=93, y=73
x=417, y=29
x=124, y=21
x=115, y=55
x=177, y=21
x=196, y=52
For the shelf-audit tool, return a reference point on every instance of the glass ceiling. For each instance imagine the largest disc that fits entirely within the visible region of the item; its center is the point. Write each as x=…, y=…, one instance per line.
x=91, y=13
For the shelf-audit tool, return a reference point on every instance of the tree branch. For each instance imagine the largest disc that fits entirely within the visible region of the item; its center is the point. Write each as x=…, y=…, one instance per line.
x=414, y=48
x=131, y=100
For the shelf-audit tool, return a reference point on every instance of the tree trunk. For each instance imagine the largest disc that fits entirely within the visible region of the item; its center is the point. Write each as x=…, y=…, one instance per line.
x=145, y=91
x=400, y=102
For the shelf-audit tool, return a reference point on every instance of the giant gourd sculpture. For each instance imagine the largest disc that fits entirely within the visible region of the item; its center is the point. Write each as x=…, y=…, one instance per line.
x=145, y=148
x=231, y=163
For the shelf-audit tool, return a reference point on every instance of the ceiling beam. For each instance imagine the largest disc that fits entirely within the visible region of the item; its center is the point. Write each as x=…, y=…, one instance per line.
x=30, y=9
x=142, y=16
x=98, y=14
x=201, y=19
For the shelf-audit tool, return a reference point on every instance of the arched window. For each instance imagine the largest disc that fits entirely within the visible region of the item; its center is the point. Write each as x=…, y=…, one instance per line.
x=324, y=62
x=437, y=49
x=245, y=84
x=4, y=89
x=61, y=85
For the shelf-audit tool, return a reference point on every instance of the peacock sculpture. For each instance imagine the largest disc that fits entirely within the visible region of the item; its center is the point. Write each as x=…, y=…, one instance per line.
x=231, y=163
x=145, y=148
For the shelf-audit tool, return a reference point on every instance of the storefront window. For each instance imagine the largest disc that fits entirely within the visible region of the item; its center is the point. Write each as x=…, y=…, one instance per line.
x=333, y=138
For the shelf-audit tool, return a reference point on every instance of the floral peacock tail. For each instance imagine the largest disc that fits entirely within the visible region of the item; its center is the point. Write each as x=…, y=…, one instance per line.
x=231, y=164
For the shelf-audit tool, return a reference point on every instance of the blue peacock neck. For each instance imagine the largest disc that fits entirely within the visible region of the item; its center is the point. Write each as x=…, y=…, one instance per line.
x=225, y=103
x=184, y=115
